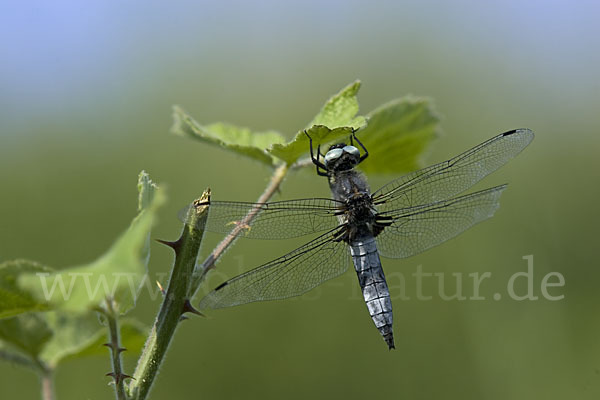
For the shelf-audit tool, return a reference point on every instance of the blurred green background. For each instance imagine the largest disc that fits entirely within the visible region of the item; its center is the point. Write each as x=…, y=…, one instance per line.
x=86, y=90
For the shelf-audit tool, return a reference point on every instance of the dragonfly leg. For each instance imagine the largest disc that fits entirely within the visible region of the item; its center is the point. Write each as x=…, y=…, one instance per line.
x=364, y=156
x=319, y=152
x=352, y=139
x=380, y=225
x=384, y=220
x=316, y=161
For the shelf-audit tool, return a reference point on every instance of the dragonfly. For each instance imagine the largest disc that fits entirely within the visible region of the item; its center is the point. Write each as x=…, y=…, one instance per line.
x=407, y=216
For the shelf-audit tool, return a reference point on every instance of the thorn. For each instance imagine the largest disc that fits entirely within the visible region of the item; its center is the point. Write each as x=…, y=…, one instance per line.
x=109, y=345
x=114, y=348
x=183, y=318
x=173, y=245
x=119, y=377
x=187, y=307
x=162, y=290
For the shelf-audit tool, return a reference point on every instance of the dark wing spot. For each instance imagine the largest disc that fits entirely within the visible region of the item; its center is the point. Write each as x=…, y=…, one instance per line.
x=509, y=132
x=221, y=286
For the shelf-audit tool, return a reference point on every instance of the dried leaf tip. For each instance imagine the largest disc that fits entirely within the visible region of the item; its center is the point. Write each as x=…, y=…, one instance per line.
x=161, y=288
x=202, y=202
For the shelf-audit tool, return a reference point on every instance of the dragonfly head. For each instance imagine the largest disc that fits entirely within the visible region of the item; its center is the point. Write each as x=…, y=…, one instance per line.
x=342, y=157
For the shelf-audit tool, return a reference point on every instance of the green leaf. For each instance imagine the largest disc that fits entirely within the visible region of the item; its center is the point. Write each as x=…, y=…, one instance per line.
x=81, y=335
x=72, y=333
x=237, y=139
x=299, y=146
x=27, y=333
x=397, y=134
x=13, y=299
x=341, y=109
x=334, y=122
x=146, y=191
x=118, y=273
x=147, y=200
x=13, y=356
x=53, y=337
x=338, y=112
x=133, y=337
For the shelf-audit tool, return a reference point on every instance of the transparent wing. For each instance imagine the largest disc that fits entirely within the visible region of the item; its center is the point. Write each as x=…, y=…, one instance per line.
x=290, y=275
x=276, y=220
x=417, y=229
x=449, y=178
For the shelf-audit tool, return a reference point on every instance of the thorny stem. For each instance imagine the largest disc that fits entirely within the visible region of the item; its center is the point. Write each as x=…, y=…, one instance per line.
x=115, y=350
x=278, y=176
x=181, y=290
x=175, y=302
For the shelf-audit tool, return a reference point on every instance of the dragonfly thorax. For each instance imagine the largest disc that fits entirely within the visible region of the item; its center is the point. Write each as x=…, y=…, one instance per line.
x=347, y=184
x=360, y=213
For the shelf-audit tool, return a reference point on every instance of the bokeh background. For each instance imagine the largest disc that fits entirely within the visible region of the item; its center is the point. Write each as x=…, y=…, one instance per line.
x=86, y=90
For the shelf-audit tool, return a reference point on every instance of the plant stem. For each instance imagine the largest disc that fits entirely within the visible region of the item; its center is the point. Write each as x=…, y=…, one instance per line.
x=115, y=350
x=278, y=176
x=47, y=385
x=181, y=289
x=175, y=302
